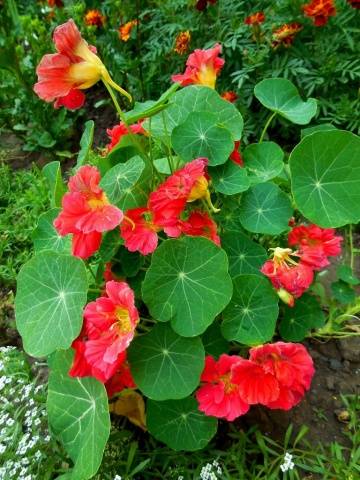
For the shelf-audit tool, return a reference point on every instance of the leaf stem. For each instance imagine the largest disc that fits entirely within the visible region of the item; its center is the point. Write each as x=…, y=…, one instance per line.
x=267, y=124
x=351, y=244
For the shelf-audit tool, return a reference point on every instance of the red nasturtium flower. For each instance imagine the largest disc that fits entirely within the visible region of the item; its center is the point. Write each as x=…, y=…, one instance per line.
x=126, y=29
x=116, y=133
x=139, y=232
x=255, y=18
x=230, y=96
x=289, y=277
x=55, y=3
x=62, y=76
x=276, y=375
x=182, y=42
x=202, y=68
x=220, y=396
x=285, y=34
x=320, y=11
x=315, y=244
x=168, y=201
x=95, y=18
x=109, y=327
x=200, y=224
x=235, y=155
x=120, y=380
x=86, y=212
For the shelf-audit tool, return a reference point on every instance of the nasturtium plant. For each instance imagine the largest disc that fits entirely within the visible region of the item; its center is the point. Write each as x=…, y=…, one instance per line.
x=159, y=270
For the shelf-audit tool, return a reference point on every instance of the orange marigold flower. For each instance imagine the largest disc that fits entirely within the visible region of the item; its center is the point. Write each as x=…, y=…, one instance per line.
x=125, y=30
x=320, y=11
x=230, y=96
x=285, y=34
x=94, y=17
x=255, y=18
x=182, y=42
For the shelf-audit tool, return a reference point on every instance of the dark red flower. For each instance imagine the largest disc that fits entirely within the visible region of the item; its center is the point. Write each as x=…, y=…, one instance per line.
x=200, y=224
x=320, y=11
x=255, y=18
x=235, y=155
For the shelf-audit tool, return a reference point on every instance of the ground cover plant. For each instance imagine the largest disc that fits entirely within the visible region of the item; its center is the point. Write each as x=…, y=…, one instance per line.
x=180, y=267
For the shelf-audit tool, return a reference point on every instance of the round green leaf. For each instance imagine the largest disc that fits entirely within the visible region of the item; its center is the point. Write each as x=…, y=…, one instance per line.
x=51, y=294
x=187, y=283
x=263, y=161
x=245, y=256
x=180, y=424
x=164, y=365
x=325, y=176
x=196, y=98
x=301, y=318
x=45, y=237
x=346, y=274
x=229, y=178
x=250, y=317
x=119, y=180
x=265, y=208
x=281, y=96
x=201, y=136
x=342, y=292
x=213, y=341
x=78, y=413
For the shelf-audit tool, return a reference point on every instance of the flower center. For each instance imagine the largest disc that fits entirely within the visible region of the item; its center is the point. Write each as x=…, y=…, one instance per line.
x=229, y=387
x=207, y=76
x=199, y=190
x=123, y=320
x=98, y=202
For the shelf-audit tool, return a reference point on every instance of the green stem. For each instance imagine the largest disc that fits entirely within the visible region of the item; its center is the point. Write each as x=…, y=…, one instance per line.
x=351, y=244
x=170, y=157
x=133, y=137
x=269, y=120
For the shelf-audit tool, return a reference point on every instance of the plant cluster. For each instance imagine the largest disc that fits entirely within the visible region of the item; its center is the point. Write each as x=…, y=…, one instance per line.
x=152, y=266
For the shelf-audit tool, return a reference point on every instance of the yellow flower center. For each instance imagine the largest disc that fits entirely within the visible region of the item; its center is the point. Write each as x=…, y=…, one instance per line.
x=123, y=320
x=207, y=76
x=199, y=190
x=228, y=386
x=96, y=202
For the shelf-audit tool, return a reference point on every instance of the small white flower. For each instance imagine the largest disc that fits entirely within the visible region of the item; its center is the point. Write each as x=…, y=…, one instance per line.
x=117, y=477
x=10, y=422
x=2, y=448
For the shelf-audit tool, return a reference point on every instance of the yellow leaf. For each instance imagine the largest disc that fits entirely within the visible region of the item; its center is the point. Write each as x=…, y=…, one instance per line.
x=131, y=405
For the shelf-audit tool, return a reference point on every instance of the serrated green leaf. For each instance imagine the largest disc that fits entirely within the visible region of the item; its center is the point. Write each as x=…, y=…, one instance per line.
x=51, y=294
x=201, y=136
x=119, y=181
x=245, y=256
x=79, y=415
x=263, y=161
x=187, y=283
x=281, y=96
x=52, y=173
x=300, y=319
x=229, y=178
x=85, y=143
x=250, y=318
x=180, y=424
x=265, y=208
x=325, y=177
x=164, y=365
x=45, y=237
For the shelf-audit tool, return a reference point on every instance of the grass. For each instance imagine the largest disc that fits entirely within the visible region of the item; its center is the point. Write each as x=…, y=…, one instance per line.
x=23, y=197
x=248, y=455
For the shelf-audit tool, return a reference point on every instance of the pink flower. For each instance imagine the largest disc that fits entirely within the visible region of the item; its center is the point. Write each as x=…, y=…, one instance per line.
x=276, y=375
x=219, y=396
x=202, y=68
x=315, y=244
x=138, y=231
x=86, y=212
x=109, y=327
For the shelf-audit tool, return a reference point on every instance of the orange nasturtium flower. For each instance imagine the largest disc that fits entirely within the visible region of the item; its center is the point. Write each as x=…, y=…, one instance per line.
x=63, y=76
x=125, y=30
x=255, y=18
x=182, y=42
x=55, y=3
x=230, y=96
x=95, y=18
x=285, y=34
x=320, y=11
